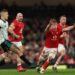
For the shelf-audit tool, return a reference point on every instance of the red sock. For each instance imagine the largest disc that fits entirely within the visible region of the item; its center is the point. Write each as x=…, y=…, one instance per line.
x=45, y=65
x=19, y=65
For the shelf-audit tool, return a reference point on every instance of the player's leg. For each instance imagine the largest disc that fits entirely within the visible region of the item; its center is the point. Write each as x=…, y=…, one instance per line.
x=2, y=56
x=20, y=57
x=6, y=45
x=19, y=64
x=19, y=45
x=21, y=50
x=40, y=62
x=41, y=59
x=61, y=52
x=18, y=61
x=4, y=59
x=17, y=50
x=52, y=54
x=10, y=46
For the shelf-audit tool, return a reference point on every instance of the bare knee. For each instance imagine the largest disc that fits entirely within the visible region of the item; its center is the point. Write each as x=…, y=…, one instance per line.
x=16, y=50
x=63, y=52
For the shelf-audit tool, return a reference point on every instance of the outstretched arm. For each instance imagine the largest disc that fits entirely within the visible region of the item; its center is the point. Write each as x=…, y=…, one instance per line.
x=69, y=28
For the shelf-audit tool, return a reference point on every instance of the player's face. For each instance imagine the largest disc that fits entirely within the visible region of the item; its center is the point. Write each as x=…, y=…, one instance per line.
x=63, y=20
x=6, y=15
x=20, y=17
x=53, y=22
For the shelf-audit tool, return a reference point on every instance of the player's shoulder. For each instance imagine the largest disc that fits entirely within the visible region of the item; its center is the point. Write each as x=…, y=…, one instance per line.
x=14, y=21
x=59, y=26
x=7, y=22
x=1, y=21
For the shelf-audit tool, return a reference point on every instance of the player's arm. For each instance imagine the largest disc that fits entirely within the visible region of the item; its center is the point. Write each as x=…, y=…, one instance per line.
x=68, y=28
x=10, y=30
x=64, y=34
x=1, y=24
x=47, y=28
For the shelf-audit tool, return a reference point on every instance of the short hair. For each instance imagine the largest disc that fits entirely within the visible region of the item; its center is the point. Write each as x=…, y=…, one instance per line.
x=18, y=14
x=52, y=20
x=62, y=16
x=3, y=10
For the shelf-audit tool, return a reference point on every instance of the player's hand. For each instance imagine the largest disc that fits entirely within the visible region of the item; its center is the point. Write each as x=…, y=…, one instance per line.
x=61, y=36
x=17, y=36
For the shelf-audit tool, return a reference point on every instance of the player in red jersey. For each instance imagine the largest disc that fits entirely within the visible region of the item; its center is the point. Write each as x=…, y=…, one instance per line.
x=64, y=36
x=15, y=30
x=43, y=54
x=53, y=35
x=6, y=44
x=61, y=47
x=51, y=43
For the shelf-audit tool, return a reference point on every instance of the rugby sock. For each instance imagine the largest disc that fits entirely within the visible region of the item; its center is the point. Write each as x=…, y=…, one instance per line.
x=25, y=60
x=45, y=65
x=40, y=63
x=19, y=65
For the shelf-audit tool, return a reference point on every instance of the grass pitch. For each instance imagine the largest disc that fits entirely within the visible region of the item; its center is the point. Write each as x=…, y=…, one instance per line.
x=33, y=72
